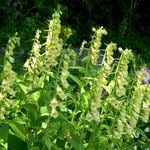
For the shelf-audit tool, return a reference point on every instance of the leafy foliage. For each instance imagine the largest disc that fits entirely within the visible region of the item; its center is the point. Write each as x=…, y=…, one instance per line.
x=60, y=103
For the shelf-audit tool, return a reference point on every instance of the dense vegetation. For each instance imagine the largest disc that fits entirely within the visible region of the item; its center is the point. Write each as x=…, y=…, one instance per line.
x=65, y=85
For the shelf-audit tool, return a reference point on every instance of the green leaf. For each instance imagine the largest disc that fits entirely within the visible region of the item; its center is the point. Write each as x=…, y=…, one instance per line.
x=23, y=87
x=81, y=69
x=44, y=98
x=142, y=133
x=34, y=148
x=18, y=120
x=86, y=97
x=4, y=133
x=41, y=81
x=18, y=130
x=110, y=87
x=32, y=111
x=103, y=139
x=15, y=143
x=74, y=78
x=36, y=95
x=76, y=142
x=47, y=142
x=44, y=111
x=15, y=104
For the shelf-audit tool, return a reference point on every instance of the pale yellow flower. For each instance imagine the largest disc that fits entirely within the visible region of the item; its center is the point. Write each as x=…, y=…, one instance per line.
x=5, y=85
x=93, y=106
x=1, y=96
x=116, y=104
x=54, y=103
x=60, y=93
x=54, y=113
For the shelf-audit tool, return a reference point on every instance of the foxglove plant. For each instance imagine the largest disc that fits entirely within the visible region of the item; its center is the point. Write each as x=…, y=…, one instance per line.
x=135, y=104
x=96, y=44
x=101, y=81
x=65, y=72
x=145, y=110
x=132, y=110
x=8, y=77
x=121, y=74
x=58, y=105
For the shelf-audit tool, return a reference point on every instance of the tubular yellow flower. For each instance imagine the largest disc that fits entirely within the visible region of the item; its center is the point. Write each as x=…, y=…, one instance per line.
x=54, y=113
x=60, y=93
x=54, y=103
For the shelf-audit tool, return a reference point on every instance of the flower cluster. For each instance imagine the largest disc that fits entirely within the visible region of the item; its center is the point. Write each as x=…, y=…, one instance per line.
x=53, y=43
x=8, y=79
x=106, y=64
x=145, y=110
x=96, y=98
x=54, y=102
x=121, y=121
x=130, y=112
x=54, y=105
x=9, y=76
x=121, y=75
x=102, y=79
x=65, y=72
x=32, y=64
x=135, y=103
x=96, y=44
x=134, y=112
x=116, y=104
x=109, y=53
x=61, y=93
x=94, y=114
x=2, y=109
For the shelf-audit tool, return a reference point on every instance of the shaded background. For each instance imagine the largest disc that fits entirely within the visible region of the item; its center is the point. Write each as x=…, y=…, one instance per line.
x=127, y=21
